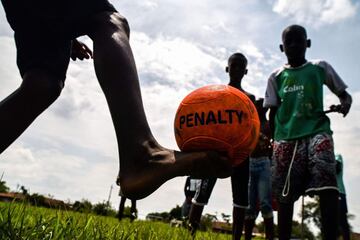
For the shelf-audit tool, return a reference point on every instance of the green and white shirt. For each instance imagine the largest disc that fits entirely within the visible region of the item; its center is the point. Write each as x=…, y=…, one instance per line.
x=298, y=94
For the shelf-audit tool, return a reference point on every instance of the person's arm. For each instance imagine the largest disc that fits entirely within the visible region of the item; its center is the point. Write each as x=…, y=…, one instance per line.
x=272, y=100
x=337, y=86
x=345, y=102
x=80, y=51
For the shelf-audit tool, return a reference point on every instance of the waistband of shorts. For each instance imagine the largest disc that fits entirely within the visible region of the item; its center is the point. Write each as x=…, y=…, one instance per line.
x=303, y=139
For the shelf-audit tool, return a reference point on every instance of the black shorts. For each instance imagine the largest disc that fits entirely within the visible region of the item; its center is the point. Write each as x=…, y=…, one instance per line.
x=44, y=30
x=239, y=186
x=203, y=191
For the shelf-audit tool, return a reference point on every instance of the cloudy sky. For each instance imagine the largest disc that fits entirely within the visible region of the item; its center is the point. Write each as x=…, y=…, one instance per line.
x=70, y=151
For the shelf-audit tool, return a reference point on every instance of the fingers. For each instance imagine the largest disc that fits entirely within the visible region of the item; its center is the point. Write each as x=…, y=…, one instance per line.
x=344, y=109
x=80, y=51
x=87, y=51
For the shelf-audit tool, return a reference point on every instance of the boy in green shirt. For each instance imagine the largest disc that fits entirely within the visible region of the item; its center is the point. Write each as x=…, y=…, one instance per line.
x=303, y=146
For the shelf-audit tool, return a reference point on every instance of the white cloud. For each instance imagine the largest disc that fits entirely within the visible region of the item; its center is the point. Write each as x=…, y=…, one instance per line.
x=149, y=4
x=174, y=61
x=316, y=13
x=10, y=77
x=70, y=151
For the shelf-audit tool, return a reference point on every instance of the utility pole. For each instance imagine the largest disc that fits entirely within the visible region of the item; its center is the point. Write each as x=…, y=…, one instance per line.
x=108, y=201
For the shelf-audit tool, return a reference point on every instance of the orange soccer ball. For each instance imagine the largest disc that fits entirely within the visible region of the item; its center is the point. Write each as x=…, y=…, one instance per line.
x=220, y=118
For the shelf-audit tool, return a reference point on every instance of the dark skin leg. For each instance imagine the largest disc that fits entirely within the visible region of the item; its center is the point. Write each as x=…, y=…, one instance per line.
x=329, y=219
x=144, y=163
x=238, y=222
x=249, y=225
x=37, y=92
x=133, y=206
x=285, y=215
x=121, y=208
x=195, y=217
x=269, y=228
x=133, y=211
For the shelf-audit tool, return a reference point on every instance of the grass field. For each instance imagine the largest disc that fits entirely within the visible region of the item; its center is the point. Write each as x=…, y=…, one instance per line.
x=22, y=221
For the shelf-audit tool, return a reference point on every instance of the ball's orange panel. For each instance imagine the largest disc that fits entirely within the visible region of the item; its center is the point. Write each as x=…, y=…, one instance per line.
x=217, y=117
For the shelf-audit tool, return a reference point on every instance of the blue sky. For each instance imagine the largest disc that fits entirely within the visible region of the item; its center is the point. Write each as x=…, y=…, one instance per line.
x=70, y=151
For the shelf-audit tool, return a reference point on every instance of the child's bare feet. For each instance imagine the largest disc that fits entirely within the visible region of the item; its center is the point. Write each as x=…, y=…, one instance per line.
x=144, y=177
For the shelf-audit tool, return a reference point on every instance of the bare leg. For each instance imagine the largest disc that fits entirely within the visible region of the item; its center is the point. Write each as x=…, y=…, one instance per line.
x=195, y=217
x=238, y=222
x=144, y=164
x=285, y=215
x=133, y=210
x=121, y=208
x=38, y=90
x=248, y=227
x=269, y=228
x=329, y=219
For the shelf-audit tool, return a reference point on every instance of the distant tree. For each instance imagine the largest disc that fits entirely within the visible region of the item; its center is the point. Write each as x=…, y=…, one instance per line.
x=312, y=212
x=24, y=191
x=176, y=212
x=83, y=206
x=104, y=209
x=297, y=231
x=3, y=187
x=36, y=199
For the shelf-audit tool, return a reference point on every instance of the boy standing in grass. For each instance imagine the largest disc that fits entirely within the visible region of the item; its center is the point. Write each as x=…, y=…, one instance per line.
x=260, y=195
x=303, y=151
x=237, y=68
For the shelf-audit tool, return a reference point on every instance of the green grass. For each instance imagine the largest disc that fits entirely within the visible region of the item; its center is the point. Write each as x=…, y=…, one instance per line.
x=22, y=221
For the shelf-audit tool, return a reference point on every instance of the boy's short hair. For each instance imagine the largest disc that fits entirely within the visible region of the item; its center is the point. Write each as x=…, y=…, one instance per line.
x=238, y=55
x=294, y=27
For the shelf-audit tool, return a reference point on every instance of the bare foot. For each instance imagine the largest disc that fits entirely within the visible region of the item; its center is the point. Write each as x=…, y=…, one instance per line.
x=143, y=178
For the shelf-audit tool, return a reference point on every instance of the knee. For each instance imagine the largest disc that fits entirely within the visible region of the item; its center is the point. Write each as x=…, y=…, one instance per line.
x=109, y=23
x=121, y=23
x=42, y=85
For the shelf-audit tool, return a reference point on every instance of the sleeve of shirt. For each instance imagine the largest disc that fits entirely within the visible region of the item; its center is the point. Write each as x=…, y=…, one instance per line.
x=332, y=79
x=271, y=98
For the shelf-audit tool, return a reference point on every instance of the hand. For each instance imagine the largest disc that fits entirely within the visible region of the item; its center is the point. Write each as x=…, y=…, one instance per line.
x=334, y=108
x=345, y=103
x=80, y=51
x=345, y=108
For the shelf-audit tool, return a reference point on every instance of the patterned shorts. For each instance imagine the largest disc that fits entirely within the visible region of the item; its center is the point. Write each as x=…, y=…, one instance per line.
x=313, y=167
